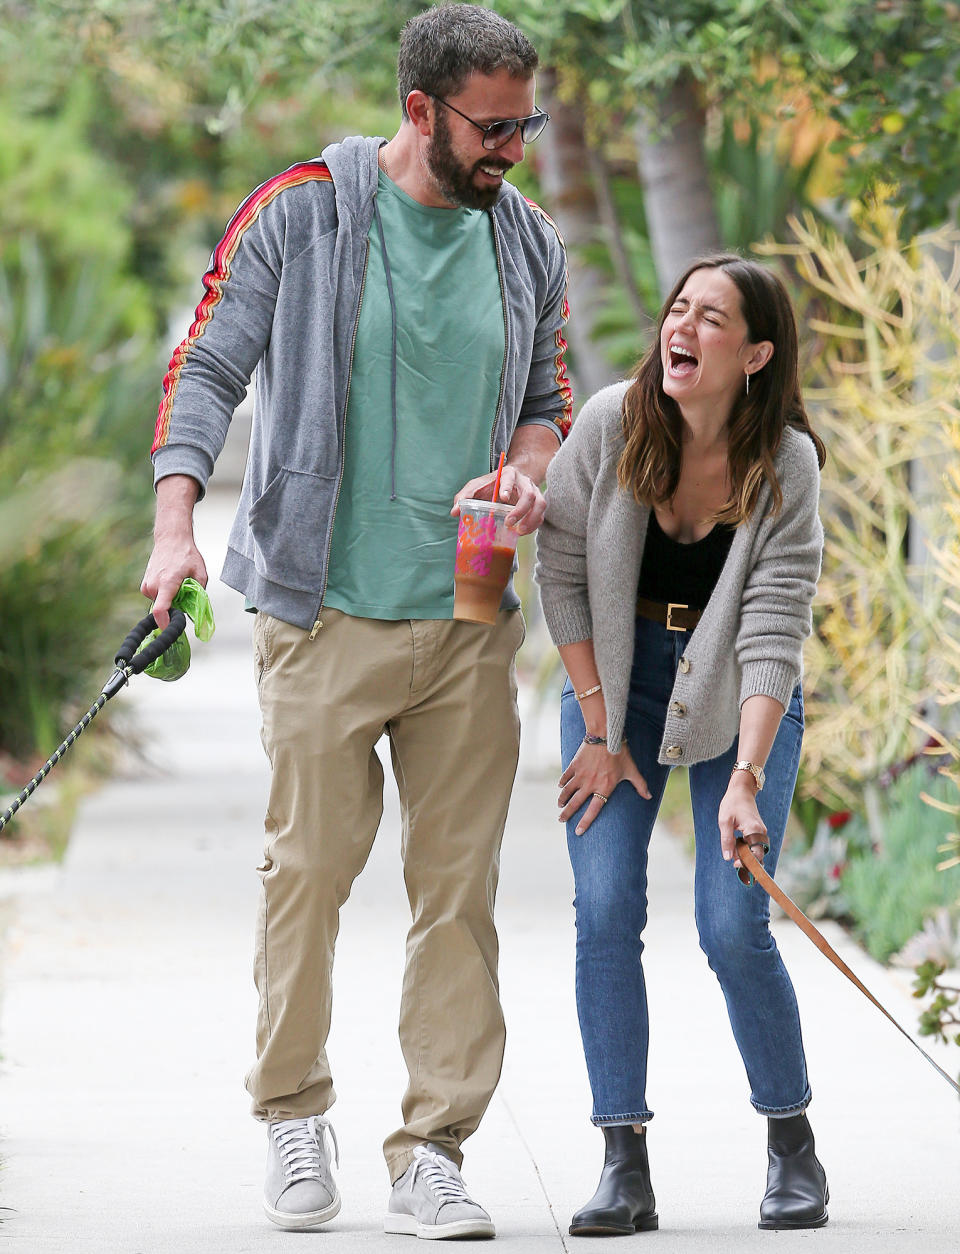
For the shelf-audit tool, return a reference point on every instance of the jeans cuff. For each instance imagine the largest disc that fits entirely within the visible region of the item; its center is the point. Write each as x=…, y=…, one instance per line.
x=614, y=1121
x=784, y=1112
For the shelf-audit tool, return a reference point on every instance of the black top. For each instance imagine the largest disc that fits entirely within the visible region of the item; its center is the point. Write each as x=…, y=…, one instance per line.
x=685, y=574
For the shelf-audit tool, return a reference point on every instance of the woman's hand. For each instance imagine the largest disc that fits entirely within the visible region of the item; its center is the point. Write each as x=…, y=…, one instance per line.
x=592, y=775
x=739, y=813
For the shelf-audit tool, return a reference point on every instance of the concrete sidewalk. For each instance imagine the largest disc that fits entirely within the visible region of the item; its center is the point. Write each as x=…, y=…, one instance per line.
x=128, y=1012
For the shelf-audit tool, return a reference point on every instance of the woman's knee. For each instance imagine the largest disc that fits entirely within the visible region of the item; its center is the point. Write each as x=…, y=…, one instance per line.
x=607, y=914
x=731, y=941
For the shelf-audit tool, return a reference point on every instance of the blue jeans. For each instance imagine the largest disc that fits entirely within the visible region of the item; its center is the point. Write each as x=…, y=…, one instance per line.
x=610, y=873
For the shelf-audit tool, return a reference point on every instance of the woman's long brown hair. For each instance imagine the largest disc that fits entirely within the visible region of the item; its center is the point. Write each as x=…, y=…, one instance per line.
x=652, y=424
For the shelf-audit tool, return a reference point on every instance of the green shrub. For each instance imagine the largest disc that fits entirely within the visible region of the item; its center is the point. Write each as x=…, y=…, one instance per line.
x=891, y=890
x=69, y=565
x=78, y=378
x=812, y=874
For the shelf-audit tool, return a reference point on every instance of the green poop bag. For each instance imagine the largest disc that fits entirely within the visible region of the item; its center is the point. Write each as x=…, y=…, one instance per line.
x=195, y=603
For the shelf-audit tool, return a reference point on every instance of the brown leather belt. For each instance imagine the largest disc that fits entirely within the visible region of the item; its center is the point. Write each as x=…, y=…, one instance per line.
x=752, y=868
x=672, y=615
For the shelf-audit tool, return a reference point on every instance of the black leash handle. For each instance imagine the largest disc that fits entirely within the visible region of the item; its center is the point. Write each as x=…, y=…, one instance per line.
x=128, y=662
x=127, y=657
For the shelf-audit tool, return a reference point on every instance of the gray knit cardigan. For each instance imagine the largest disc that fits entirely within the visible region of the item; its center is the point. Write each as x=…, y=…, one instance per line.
x=750, y=638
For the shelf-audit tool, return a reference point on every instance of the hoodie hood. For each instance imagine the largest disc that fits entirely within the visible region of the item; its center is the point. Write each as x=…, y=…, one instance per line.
x=353, y=164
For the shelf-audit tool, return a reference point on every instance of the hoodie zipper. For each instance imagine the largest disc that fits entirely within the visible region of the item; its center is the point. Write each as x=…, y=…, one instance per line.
x=353, y=343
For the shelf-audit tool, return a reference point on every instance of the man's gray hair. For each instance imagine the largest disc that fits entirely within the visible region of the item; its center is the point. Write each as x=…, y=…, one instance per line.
x=441, y=48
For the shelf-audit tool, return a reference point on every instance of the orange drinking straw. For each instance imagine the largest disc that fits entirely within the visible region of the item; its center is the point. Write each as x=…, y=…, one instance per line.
x=496, y=482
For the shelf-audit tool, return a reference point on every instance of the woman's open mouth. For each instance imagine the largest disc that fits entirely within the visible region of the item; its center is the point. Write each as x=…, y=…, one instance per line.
x=681, y=362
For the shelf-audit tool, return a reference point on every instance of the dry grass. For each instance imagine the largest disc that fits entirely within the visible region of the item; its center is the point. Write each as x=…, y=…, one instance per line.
x=883, y=387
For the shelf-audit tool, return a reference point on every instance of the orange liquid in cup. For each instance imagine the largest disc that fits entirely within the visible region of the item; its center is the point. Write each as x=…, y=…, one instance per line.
x=477, y=597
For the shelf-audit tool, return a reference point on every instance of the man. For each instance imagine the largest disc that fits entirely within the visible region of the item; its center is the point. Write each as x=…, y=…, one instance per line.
x=403, y=306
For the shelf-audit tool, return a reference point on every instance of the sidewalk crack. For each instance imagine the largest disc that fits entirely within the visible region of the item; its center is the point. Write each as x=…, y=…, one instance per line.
x=543, y=1188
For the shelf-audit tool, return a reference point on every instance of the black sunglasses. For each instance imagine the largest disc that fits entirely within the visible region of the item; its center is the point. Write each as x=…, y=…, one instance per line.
x=499, y=133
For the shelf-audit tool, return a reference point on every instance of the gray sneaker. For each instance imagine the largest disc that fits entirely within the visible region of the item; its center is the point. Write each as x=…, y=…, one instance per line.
x=430, y=1200
x=300, y=1192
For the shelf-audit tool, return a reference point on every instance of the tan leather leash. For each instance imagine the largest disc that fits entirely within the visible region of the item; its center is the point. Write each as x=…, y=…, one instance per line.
x=752, y=866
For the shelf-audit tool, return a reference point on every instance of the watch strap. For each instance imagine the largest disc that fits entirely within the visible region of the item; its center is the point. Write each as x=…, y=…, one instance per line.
x=756, y=771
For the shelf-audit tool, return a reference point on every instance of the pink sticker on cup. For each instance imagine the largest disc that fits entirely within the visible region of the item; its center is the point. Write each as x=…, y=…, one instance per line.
x=475, y=544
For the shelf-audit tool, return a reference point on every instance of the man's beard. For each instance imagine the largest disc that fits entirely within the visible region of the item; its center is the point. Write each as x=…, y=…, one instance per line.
x=454, y=179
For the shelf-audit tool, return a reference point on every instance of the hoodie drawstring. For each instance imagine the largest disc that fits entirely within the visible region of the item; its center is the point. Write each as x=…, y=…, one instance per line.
x=393, y=352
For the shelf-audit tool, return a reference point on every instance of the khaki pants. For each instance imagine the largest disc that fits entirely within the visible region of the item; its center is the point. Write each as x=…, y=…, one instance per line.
x=445, y=694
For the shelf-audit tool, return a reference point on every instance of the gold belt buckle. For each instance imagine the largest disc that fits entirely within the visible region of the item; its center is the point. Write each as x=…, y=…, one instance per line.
x=674, y=605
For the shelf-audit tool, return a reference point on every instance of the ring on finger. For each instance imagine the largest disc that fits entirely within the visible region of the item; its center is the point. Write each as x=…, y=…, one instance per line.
x=601, y=797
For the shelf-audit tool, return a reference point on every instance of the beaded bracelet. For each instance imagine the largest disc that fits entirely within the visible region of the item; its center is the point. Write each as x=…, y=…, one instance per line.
x=588, y=692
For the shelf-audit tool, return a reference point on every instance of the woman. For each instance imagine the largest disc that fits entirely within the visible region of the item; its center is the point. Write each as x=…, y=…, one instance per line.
x=677, y=563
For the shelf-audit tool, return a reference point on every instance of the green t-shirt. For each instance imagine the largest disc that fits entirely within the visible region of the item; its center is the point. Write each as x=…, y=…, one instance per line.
x=394, y=558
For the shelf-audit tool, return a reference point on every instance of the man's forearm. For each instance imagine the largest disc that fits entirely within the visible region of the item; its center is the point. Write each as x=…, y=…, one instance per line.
x=531, y=451
x=176, y=497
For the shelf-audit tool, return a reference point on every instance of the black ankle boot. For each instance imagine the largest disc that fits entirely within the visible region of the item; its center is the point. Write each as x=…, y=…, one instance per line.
x=797, y=1192
x=624, y=1201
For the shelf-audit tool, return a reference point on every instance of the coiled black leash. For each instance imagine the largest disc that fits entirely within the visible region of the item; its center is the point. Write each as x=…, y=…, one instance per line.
x=128, y=663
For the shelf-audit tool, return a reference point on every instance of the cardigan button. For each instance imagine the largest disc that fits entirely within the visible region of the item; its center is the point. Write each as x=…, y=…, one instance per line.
x=674, y=751
x=678, y=708
x=684, y=665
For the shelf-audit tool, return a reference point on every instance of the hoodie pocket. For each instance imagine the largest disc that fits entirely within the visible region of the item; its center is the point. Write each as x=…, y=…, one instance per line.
x=289, y=525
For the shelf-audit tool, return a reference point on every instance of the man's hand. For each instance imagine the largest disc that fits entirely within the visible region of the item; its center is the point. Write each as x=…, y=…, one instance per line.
x=175, y=555
x=528, y=457
x=516, y=489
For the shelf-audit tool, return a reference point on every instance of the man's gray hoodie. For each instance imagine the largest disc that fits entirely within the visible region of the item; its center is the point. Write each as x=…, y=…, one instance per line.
x=283, y=293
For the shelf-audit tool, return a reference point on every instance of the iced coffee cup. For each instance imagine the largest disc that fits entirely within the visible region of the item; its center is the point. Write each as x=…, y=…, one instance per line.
x=485, y=551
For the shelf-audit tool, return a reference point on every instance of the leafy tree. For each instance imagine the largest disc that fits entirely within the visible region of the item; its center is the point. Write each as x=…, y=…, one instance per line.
x=194, y=101
x=661, y=73
x=898, y=104
x=884, y=73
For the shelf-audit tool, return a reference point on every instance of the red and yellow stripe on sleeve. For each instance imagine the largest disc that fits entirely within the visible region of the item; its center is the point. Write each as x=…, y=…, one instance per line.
x=219, y=274
x=564, y=419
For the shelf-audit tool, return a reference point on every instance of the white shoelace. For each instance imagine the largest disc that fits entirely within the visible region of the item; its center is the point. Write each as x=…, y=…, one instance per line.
x=440, y=1175
x=299, y=1143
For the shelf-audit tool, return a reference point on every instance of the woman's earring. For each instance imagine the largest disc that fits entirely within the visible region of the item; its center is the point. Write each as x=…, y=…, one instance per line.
x=748, y=385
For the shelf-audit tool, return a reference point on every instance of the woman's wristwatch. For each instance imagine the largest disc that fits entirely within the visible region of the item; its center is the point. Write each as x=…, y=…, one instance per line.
x=756, y=771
